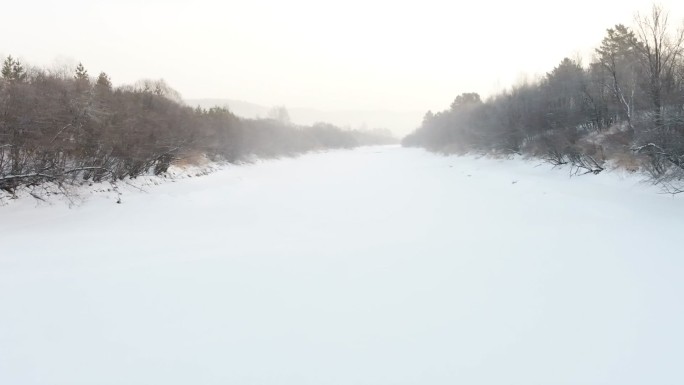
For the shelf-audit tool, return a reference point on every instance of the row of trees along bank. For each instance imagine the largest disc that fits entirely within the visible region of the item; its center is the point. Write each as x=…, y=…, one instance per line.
x=626, y=106
x=68, y=128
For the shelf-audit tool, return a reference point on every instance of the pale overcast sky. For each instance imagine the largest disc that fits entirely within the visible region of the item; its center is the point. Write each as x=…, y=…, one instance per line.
x=396, y=55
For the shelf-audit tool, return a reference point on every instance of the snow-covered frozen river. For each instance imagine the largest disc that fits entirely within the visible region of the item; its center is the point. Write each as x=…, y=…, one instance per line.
x=374, y=266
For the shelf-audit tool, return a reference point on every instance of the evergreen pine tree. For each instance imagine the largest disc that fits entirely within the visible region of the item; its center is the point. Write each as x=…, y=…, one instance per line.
x=81, y=73
x=13, y=70
x=7, y=66
x=104, y=82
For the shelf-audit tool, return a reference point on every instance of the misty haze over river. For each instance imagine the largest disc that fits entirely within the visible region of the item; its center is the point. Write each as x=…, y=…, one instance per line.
x=365, y=192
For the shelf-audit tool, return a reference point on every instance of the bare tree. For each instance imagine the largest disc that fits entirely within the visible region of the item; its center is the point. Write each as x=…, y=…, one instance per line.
x=659, y=49
x=280, y=114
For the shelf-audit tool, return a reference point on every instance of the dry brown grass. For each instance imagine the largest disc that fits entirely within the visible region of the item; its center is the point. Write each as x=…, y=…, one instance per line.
x=192, y=159
x=627, y=161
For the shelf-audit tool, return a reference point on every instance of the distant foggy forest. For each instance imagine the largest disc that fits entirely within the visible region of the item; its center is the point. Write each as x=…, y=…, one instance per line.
x=65, y=127
x=624, y=108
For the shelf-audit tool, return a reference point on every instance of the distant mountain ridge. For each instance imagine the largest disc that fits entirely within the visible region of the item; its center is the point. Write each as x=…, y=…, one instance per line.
x=400, y=123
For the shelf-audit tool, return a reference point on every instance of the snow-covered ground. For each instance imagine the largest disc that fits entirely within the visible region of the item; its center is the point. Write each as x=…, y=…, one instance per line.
x=373, y=266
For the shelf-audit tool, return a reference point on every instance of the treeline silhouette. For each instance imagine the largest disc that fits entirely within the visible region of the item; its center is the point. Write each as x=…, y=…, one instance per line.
x=625, y=107
x=67, y=128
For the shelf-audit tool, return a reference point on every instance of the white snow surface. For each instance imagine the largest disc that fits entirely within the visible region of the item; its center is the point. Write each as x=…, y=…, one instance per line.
x=380, y=265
